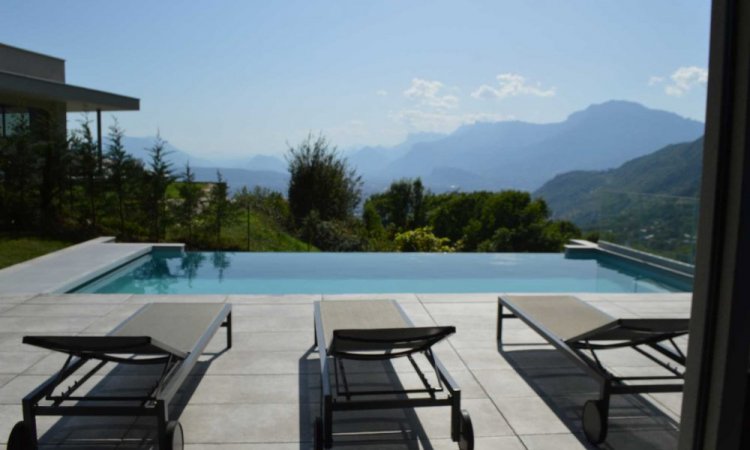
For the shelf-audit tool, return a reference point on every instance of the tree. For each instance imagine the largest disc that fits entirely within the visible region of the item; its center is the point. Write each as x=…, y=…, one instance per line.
x=86, y=157
x=190, y=195
x=159, y=177
x=402, y=206
x=245, y=200
x=321, y=180
x=219, y=206
x=123, y=173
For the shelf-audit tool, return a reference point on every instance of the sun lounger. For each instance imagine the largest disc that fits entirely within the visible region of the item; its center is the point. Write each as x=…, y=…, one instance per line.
x=172, y=335
x=373, y=330
x=579, y=331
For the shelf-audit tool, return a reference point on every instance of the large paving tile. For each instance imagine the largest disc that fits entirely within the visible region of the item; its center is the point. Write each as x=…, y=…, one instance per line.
x=18, y=362
x=401, y=298
x=14, y=299
x=12, y=392
x=264, y=341
x=458, y=298
x=9, y=415
x=118, y=314
x=239, y=423
x=58, y=299
x=566, y=441
x=60, y=310
x=253, y=389
x=13, y=342
x=263, y=363
x=267, y=299
x=142, y=299
x=45, y=324
x=529, y=415
x=259, y=317
x=4, y=379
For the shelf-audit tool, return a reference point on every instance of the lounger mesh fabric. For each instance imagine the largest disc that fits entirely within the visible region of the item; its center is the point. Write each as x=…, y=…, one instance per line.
x=359, y=315
x=564, y=316
x=180, y=328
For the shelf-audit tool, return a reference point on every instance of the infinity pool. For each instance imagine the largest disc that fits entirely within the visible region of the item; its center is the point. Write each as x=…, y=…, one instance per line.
x=332, y=273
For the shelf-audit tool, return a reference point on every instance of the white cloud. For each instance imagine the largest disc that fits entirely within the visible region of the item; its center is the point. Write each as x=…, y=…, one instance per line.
x=682, y=80
x=442, y=122
x=511, y=85
x=381, y=93
x=428, y=93
x=654, y=80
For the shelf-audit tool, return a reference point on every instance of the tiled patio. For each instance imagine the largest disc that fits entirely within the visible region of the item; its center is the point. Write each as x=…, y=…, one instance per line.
x=263, y=393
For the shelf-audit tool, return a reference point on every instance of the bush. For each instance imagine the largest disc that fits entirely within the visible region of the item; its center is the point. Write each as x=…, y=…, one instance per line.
x=422, y=240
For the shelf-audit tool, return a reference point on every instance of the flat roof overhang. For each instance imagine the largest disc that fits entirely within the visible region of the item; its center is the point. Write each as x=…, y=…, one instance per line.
x=75, y=98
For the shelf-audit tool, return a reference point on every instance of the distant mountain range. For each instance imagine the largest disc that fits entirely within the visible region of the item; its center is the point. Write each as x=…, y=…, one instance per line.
x=522, y=155
x=491, y=156
x=673, y=170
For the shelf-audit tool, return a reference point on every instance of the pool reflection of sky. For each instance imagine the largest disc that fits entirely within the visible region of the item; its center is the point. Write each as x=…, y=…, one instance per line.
x=330, y=273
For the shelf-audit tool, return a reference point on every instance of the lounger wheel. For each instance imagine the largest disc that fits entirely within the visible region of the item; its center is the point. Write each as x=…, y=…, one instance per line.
x=595, y=421
x=318, y=437
x=20, y=438
x=466, y=437
x=175, y=438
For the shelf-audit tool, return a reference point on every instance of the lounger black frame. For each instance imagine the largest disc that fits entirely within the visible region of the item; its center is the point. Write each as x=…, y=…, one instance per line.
x=596, y=412
x=177, y=366
x=338, y=400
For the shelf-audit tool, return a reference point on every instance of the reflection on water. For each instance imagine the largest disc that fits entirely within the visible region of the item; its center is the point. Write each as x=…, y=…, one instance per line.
x=221, y=262
x=190, y=264
x=319, y=273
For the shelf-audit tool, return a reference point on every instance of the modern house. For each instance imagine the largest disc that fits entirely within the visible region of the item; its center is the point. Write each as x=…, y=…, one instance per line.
x=33, y=86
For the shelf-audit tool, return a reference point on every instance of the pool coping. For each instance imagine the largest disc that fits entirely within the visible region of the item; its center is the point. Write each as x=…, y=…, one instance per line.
x=678, y=268
x=59, y=272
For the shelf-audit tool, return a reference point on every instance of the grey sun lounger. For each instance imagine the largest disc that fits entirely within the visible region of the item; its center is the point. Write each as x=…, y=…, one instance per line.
x=172, y=335
x=377, y=330
x=579, y=331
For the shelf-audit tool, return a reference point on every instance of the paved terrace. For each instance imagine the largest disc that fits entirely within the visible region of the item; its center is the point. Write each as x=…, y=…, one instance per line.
x=263, y=393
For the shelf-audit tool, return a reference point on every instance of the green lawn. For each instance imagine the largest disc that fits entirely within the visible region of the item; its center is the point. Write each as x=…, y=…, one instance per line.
x=15, y=249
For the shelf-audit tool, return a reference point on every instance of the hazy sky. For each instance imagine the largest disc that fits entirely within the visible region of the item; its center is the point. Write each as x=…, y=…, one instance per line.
x=232, y=78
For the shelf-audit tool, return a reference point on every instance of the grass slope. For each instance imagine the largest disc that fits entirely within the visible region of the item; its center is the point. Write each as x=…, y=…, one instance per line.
x=16, y=249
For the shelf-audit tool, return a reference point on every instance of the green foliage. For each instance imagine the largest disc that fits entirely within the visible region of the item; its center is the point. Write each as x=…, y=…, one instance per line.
x=17, y=248
x=320, y=180
x=421, y=240
x=158, y=178
x=332, y=235
x=402, y=206
x=188, y=207
x=123, y=175
x=218, y=210
x=52, y=186
x=578, y=196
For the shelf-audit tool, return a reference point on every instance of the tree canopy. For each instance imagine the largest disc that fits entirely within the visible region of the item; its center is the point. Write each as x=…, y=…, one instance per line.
x=322, y=181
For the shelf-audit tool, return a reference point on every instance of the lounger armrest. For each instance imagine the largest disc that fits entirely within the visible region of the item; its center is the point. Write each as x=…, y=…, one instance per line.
x=91, y=346
x=388, y=342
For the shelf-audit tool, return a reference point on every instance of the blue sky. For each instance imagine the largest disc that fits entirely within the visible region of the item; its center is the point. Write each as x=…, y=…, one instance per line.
x=235, y=78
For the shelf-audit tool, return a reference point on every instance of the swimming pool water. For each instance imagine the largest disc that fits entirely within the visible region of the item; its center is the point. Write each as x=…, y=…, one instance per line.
x=332, y=273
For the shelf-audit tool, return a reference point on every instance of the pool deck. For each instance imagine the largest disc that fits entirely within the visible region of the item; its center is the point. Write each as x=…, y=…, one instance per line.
x=264, y=392
x=70, y=267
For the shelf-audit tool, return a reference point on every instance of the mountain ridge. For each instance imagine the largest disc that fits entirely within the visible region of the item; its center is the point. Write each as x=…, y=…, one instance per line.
x=673, y=170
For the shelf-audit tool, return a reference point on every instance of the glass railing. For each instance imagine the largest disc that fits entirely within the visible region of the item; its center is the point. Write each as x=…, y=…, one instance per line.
x=660, y=224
